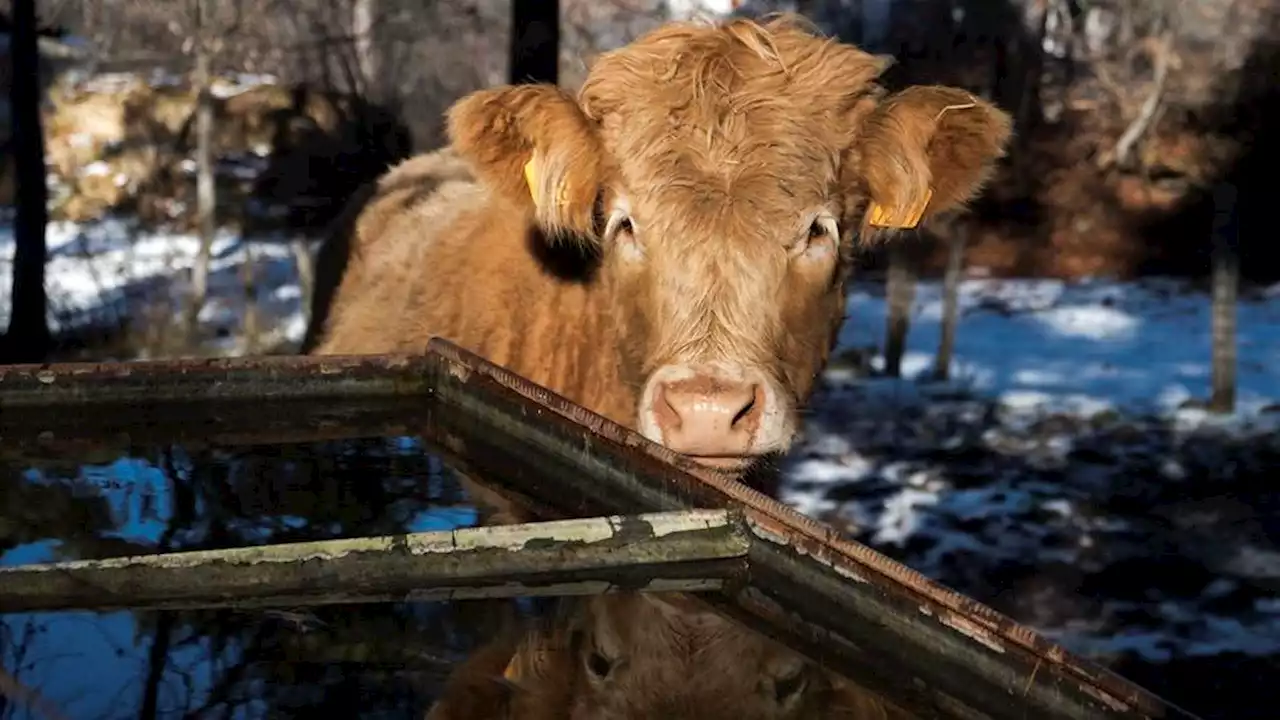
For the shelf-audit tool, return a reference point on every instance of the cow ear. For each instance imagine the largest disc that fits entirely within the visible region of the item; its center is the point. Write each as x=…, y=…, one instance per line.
x=926, y=150
x=533, y=146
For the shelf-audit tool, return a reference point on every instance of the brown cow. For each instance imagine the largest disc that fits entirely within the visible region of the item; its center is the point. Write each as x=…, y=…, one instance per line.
x=639, y=655
x=669, y=248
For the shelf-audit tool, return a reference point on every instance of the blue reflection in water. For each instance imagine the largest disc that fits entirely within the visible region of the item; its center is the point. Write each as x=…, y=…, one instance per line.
x=97, y=665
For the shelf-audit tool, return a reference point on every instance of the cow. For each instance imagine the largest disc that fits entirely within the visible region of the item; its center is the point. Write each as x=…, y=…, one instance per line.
x=670, y=246
x=643, y=655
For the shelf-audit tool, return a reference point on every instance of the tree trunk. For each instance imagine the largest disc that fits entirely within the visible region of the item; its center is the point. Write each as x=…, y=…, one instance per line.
x=305, y=263
x=1018, y=71
x=950, y=301
x=363, y=14
x=249, y=286
x=1226, y=280
x=28, y=338
x=899, y=293
x=206, y=194
x=535, y=41
x=157, y=660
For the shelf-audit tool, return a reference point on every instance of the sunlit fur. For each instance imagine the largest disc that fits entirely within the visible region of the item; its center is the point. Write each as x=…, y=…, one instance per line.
x=726, y=142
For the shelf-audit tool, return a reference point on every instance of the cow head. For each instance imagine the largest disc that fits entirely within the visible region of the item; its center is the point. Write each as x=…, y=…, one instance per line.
x=722, y=176
x=643, y=655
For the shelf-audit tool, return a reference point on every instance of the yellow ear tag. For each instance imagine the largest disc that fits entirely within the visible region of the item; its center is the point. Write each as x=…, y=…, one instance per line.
x=509, y=673
x=531, y=179
x=903, y=218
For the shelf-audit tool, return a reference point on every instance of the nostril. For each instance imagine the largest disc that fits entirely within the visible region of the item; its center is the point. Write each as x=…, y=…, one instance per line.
x=745, y=412
x=745, y=417
x=665, y=413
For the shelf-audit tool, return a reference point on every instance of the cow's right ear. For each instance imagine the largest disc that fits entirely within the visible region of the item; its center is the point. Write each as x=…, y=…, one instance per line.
x=533, y=145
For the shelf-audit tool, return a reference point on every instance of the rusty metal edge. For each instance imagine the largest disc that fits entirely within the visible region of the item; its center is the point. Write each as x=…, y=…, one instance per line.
x=194, y=423
x=254, y=378
x=787, y=528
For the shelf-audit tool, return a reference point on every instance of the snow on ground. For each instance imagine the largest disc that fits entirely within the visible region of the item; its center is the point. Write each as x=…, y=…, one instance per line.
x=1062, y=476
x=110, y=269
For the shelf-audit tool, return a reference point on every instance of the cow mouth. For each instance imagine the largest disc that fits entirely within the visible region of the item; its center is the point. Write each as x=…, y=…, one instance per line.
x=728, y=464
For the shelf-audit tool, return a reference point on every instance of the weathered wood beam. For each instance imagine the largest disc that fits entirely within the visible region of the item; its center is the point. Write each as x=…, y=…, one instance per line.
x=689, y=550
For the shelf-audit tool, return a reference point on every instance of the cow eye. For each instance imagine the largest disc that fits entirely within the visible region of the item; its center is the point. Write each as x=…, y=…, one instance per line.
x=619, y=222
x=598, y=665
x=787, y=687
x=819, y=238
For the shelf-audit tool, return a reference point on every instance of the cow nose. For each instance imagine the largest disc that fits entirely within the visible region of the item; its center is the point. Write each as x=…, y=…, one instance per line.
x=708, y=416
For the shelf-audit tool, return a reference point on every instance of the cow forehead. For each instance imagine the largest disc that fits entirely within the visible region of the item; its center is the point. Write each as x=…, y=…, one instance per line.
x=716, y=149
x=763, y=195
x=724, y=91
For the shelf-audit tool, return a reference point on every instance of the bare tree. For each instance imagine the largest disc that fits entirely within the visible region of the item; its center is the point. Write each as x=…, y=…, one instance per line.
x=1226, y=281
x=205, y=39
x=28, y=338
x=206, y=191
x=363, y=16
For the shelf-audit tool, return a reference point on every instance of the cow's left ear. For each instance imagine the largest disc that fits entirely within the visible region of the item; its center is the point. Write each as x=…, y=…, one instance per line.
x=532, y=145
x=926, y=150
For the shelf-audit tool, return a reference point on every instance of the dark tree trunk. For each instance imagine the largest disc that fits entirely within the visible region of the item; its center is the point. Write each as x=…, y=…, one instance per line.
x=1226, y=281
x=28, y=337
x=900, y=290
x=535, y=41
x=951, y=301
x=157, y=660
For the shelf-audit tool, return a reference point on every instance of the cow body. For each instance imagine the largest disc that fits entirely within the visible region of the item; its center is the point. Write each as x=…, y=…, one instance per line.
x=435, y=254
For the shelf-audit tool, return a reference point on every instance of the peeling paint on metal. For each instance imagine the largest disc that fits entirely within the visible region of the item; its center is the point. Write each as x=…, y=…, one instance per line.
x=971, y=629
x=843, y=571
x=765, y=533
x=692, y=520
x=458, y=371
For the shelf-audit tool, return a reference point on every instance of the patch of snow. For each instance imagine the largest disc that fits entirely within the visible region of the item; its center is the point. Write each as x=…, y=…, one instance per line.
x=112, y=268
x=1082, y=347
x=96, y=168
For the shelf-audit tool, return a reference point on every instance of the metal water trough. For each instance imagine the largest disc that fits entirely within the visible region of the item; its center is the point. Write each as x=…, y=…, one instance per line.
x=925, y=647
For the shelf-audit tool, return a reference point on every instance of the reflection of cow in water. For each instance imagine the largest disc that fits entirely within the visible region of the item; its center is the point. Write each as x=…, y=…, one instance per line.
x=632, y=656
x=668, y=249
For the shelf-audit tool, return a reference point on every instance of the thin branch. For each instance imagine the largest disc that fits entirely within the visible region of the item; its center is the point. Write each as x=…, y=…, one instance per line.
x=1119, y=155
